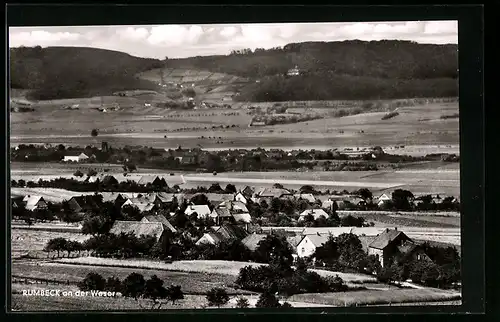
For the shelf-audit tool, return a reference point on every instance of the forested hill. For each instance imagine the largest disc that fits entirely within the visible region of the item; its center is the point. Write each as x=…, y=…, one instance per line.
x=384, y=59
x=68, y=72
x=348, y=70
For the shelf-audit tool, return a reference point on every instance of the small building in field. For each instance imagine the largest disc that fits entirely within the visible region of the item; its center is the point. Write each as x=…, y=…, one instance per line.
x=34, y=202
x=75, y=157
x=138, y=228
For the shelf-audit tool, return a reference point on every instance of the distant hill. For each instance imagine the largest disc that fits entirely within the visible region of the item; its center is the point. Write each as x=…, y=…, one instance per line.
x=70, y=72
x=339, y=70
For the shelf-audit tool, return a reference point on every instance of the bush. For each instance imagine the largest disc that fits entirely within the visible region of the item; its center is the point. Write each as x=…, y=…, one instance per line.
x=267, y=300
x=134, y=285
x=217, y=297
x=113, y=284
x=390, y=115
x=242, y=303
x=174, y=293
x=93, y=281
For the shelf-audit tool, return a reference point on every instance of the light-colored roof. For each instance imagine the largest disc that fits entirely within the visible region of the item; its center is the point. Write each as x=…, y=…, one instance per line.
x=316, y=213
x=138, y=228
x=32, y=201
x=252, y=241
x=141, y=203
x=228, y=232
x=201, y=210
x=210, y=238
x=160, y=219
x=219, y=197
x=148, y=179
x=242, y=217
x=335, y=231
x=317, y=240
x=234, y=206
x=294, y=240
x=273, y=192
x=109, y=196
x=306, y=196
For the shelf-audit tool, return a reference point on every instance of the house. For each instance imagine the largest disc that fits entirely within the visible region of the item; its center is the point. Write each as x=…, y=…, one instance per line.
x=141, y=203
x=293, y=241
x=107, y=180
x=114, y=197
x=383, y=199
x=83, y=203
x=305, y=196
x=224, y=233
x=316, y=213
x=161, y=219
x=270, y=193
x=293, y=71
x=252, y=241
x=241, y=198
x=211, y=238
x=153, y=180
x=218, y=198
x=385, y=246
x=138, y=228
x=75, y=157
x=34, y=202
x=307, y=246
x=350, y=202
x=234, y=206
x=202, y=211
x=220, y=215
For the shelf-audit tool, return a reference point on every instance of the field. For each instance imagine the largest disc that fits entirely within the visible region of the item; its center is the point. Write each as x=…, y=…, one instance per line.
x=49, y=194
x=140, y=125
x=374, y=297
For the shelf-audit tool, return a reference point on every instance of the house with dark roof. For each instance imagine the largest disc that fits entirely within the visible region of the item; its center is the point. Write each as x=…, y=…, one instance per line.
x=84, y=203
x=247, y=191
x=167, y=226
x=34, y=202
x=142, y=204
x=153, y=180
x=225, y=233
x=138, y=228
x=269, y=194
x=390, y=243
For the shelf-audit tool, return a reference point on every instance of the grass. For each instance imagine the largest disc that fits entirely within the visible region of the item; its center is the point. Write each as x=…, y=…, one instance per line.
x=375, y=297
x=49, y=194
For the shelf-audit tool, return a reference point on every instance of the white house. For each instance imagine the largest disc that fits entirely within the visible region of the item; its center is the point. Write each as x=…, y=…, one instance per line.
x=201, y=210
x=307, y=246
x=382, y=199
x=316, y=213
x=34, y=202
x=241, y=198
x=75, y=157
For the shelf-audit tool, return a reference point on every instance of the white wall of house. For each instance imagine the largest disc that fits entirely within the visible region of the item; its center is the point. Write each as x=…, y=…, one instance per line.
x=305, y=248
x=241, y=198
x=205, y=239
x=71, y=158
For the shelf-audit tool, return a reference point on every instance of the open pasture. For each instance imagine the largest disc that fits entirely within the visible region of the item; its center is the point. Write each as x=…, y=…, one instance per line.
x=373, y=297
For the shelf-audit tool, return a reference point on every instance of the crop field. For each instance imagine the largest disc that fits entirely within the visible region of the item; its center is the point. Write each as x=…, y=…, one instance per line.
x=373, y=297
x=49, y=194
x=30, y=241
x=412, y=221
x=231, y=268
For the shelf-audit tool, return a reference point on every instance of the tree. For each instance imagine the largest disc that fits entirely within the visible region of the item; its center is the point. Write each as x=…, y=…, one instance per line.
x=93, y=281
x=78, y=173
x=242, y=303
x=215, y=187
x=133, y=285
x=174, y=293
x=278, y=186
x=56, y=244
x=307, y=189
x=94, y=132
x=365, y=194
x=200, y=199
x=91, y=173
x=274, y=249
x=267, y=300
x=113, y=284
x=154, y=289
x=286, y=305
x=217, y=297
x=401, y=199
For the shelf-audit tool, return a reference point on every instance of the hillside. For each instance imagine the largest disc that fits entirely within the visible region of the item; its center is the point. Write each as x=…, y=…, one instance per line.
x=339, y=70
x=70, y=72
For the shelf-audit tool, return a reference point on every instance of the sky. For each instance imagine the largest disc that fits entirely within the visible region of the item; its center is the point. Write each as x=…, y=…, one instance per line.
x=178, y=41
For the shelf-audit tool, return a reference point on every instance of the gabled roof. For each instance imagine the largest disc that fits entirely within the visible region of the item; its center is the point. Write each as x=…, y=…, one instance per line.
x=110, y=196
x=317, y=240
x=150, y=179
x=141, y=203
x=242, y=217
x=32, y=201
x=232, y=232
x=85, y=201
x=306, y=196
x=252, y=241
x=201, y=210
x=138, y=228
x=219, y=197
x=233, y=206
x=316, y=213
x=166, y=197
x=294, y=240
x=221, y=213
x=160, y=219
x=216, y=237
x=273, y=192
x=385, y=239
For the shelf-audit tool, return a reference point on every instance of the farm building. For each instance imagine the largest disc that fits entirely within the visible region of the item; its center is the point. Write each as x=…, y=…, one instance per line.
x=270, y=193
x=235, y=206
x=316, y=213
x=252, y=241
x=390, y=243
x=142, y=204
x=161, y=219
x=221, y=215
x=224, y=233
x=83, y=203
x=75, y=157
x=114, y=197
x=241, y=198
x=202, y=211
x=138, y=228
x=307, y=246
x=34, y=202
x=383, y=199
x=305, y=196
x=210, y=238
